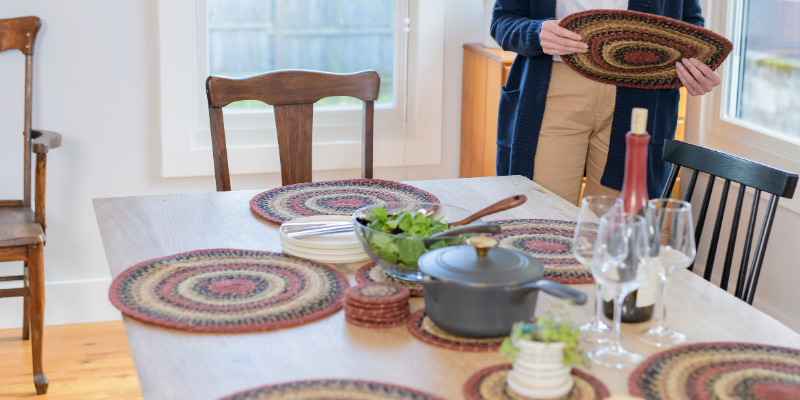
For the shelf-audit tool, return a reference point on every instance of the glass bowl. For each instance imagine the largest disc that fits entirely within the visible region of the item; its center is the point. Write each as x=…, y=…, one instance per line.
x=398, y=253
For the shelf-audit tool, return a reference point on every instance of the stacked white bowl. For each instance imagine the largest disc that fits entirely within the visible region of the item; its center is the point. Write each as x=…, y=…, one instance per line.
x=539, y=372
x=339, y=247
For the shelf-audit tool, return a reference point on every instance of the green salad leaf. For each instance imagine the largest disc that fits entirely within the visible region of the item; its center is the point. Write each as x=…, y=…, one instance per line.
x=408, y=228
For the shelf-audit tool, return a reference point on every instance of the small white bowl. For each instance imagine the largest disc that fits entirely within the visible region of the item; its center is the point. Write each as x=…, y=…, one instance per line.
x=543, y=379
x=522, y=388
x=540, y=353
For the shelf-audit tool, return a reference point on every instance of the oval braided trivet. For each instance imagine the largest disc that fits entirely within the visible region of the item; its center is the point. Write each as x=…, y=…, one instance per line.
x=719, y=370
x=226, y=290
x=548, y=240
x=332, y=389
x=421, y=326
x=490, y=384
x=332, y=198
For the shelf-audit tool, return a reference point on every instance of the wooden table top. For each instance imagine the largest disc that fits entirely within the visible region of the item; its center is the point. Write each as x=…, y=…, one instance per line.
x=173, y=364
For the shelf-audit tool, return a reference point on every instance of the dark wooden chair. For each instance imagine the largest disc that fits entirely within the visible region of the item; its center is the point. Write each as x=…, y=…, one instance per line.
x=292, y=93
x=22, y=230
x=746, y=173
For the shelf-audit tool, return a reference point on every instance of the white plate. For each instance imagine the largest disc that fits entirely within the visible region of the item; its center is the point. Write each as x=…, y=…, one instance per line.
x=332, y=252
x=326, y=258
x=523, y=390
x=341, y=240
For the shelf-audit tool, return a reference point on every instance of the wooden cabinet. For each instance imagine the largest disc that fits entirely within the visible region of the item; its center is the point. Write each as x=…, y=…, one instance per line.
x=485, y=71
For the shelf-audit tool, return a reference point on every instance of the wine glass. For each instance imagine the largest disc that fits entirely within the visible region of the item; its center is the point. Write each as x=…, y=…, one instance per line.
x=672, y=247
x=621, y=263
x=592, y=208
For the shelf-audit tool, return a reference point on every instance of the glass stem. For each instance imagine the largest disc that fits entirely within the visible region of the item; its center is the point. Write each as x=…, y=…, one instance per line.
x=662, y=322
x=616, y=345
x=598, y=305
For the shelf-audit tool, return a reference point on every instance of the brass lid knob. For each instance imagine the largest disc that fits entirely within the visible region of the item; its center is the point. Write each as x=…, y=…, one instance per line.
x=482, y=244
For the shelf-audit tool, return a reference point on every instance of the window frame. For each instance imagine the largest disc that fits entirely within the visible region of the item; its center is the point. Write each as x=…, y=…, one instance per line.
x=252, y=139
x=707, y=115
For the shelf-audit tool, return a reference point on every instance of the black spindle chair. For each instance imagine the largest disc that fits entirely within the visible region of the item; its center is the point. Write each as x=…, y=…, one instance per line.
x=746, y=173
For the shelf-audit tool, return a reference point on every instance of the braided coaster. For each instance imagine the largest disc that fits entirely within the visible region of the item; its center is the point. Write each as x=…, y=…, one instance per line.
x=332, y=198
x=551, y=242
x=719, y=371
x=225, y=290
x=640, y=50
x=373, y=272
x=377, y=293
x=358, y=312
x=332, y=389
x=374, y=325
x=421, y=326
x=490, y=384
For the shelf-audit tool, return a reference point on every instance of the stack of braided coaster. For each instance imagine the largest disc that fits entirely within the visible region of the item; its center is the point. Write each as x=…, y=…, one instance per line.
x=377, y=305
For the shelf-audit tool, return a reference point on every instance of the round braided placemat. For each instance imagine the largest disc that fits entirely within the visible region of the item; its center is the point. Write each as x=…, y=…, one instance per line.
x=332, y=198
x=640, y=50
x=226, y=290
x=706, y=371
x=332, y=389
x=421, y=326
x=490, y=384
x=548, y=240
x=373, y=272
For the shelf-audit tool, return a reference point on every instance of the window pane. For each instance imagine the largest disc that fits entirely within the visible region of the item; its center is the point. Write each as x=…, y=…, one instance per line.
x=769, y=81
x=248, y=37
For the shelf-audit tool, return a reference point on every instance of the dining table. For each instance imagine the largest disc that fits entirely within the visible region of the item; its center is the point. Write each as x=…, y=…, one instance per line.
x=175, y=364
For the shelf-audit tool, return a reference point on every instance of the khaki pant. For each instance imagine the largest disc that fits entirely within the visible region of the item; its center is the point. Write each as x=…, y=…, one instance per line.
x=575, y=133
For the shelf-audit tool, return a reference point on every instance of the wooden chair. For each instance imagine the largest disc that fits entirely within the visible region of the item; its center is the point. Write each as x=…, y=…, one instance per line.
x=22, y=231
x=292, y=93
x=746, y=173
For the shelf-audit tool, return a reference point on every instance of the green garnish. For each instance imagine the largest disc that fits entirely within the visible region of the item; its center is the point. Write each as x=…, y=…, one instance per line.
x=410, y=228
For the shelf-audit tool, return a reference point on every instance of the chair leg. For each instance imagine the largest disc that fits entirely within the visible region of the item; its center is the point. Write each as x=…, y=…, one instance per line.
x=26, y=302
x=36, y=271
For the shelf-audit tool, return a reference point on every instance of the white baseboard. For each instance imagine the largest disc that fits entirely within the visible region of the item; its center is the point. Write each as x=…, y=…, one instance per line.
x=69, y=302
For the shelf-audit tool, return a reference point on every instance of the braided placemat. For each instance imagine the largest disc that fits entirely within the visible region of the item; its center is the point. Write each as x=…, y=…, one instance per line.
x=719, y=371
x=640, y=50
x=332, y=389
x=421, y=326
x=373, y=272
x=332, y=198
x=548, y=240
x=490, y=384
x=225, y=290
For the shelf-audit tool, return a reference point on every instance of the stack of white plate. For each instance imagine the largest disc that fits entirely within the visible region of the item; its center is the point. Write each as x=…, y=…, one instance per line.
x=340, y=247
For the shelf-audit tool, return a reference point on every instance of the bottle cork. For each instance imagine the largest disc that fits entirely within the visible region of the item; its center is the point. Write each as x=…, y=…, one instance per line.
x=639, y=121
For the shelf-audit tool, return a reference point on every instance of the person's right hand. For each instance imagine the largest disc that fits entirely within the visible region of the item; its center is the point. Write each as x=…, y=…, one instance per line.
x=558, y=41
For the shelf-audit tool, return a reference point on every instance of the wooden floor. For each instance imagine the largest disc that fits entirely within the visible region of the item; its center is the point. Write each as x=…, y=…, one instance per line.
x=84, y=361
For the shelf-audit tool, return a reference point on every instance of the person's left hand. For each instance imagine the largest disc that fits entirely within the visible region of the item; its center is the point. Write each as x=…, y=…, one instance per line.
x=697, y=77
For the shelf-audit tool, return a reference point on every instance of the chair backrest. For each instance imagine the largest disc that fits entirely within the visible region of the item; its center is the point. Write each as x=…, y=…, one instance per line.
x=293, y=94
x=746, y=173
x=20, y=34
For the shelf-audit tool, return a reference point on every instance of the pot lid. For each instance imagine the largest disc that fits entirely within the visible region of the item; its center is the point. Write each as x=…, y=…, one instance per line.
x=481, y=264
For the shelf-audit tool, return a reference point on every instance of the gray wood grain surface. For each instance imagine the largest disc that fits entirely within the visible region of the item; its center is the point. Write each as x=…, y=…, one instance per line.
x=173, y=364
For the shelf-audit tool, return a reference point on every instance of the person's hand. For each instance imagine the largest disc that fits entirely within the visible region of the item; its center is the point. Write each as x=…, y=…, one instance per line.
x=558, y=41
x=697, y=77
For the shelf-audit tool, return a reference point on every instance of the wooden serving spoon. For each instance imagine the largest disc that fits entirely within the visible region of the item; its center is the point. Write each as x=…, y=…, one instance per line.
x=501, y=205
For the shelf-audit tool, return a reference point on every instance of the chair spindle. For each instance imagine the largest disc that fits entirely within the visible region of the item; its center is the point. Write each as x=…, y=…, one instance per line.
x=726, y=268
x=701, y=220
x=748, y=244
x=758, y=258
x=712, y=250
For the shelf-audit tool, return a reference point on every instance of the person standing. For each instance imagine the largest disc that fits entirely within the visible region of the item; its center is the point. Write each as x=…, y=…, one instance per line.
x=554, y=125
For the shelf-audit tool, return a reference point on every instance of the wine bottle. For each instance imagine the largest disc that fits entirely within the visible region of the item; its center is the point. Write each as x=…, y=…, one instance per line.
x=638, y=305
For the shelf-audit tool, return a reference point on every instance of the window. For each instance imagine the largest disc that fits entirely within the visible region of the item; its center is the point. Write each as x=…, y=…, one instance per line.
x=237, y=38
x=249, y=37
x=765, y=67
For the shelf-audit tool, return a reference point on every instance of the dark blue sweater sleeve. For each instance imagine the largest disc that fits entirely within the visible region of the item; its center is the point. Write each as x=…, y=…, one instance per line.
x=514, y=31
x=692, y=13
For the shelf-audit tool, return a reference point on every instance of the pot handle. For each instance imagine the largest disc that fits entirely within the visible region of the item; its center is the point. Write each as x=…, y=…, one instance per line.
x=557, y=289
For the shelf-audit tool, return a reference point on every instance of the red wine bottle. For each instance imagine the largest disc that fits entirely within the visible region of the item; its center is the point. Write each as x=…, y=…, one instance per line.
x=638, y=305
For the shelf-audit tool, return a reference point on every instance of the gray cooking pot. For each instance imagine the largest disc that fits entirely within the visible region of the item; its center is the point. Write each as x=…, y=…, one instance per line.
x=481, y=291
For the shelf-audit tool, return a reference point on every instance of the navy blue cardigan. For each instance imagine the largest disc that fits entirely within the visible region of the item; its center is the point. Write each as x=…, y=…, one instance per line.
x=516, y=25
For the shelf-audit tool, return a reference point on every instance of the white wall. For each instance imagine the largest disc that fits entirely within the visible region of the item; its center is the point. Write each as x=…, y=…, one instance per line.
x=96, y=82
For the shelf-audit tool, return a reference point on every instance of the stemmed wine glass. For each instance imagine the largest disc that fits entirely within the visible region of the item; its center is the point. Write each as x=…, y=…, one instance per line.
x=592, y=208
x=672, y=247
x=621, y=264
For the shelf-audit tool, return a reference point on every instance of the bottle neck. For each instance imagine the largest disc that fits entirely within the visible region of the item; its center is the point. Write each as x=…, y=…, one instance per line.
x=634, y=187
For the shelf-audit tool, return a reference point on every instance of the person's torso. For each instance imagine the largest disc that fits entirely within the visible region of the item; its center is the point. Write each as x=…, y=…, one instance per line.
x=567, y=7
